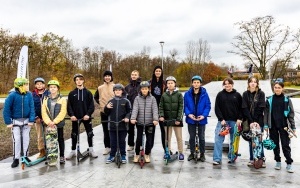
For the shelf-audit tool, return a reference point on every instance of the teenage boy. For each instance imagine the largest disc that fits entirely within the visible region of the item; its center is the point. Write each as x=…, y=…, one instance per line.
x=196, y=108
x=19, y=111
x=132, y=90
x=81, y=107
x=102, y=95
x=118, y=109
x=38, y=95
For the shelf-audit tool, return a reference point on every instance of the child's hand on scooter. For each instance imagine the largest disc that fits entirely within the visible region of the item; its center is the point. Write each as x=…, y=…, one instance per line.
x=155, y=123
x=86, y=117
x=177, y=122
x=109, y=105
x=161, y=119
x=10, y=126
x=126, y=120
x=133, y=121
x=30, y=124
x=73, y=118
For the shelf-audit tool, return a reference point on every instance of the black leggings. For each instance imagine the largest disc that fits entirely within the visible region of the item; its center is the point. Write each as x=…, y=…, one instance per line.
x=61, y=141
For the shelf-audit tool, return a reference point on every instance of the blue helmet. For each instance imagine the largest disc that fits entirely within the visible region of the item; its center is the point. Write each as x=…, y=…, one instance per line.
x=39, y=79
x=196, y=77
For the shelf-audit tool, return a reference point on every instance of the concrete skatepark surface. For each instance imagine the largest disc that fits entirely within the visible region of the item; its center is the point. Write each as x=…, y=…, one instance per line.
x=95, y=173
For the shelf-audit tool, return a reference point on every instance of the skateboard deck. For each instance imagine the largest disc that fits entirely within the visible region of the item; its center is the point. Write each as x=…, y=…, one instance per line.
x=52, y=146
x=257, y=145
x=236, y=142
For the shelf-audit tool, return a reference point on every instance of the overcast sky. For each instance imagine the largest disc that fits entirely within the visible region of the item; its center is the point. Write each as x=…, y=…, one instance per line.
x=126, y=26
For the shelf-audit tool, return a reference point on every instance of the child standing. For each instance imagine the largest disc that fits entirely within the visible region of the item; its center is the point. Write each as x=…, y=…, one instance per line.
x=118, y=110
x=171, y=107
x=279, y=113
x=54, y=110
x=196, y=108
x=19, y=110
x=144, y=112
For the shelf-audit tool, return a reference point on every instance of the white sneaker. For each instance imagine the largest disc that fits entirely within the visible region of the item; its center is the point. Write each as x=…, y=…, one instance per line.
x=147, y=158
x=136, y=158
x=106, y=151
x=130, y=148
x=93, y=154
x=71, y=155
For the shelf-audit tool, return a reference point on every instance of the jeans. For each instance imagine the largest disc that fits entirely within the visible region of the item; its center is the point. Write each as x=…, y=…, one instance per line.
x=217, y=155
x=201, y=136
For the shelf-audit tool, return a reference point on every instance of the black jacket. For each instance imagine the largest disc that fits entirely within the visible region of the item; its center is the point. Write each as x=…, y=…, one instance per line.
x=228, y=106
x=258, y=106
x=80, y=103
x=132, y=89
x=121, y=109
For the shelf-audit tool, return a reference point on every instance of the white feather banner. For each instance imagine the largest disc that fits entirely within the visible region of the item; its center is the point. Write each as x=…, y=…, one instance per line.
x=23, y=61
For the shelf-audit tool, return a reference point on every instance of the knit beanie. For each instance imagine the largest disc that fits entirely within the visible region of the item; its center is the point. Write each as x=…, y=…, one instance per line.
x=108, y=73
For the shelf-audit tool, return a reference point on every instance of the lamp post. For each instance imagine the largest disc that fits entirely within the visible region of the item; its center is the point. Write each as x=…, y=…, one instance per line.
x=162, y=53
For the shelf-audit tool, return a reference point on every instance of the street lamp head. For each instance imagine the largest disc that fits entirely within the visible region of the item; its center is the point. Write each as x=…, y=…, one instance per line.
x=161, y=43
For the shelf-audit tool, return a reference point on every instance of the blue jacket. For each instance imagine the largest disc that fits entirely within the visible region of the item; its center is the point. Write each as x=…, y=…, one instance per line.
x=38, y=102
x=203, y=107
x=18, y=106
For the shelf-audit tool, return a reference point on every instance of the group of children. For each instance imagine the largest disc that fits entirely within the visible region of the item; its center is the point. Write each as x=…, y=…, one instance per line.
x=146, y=103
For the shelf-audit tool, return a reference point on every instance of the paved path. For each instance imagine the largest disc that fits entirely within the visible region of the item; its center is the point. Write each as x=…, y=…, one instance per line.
x=95, y=173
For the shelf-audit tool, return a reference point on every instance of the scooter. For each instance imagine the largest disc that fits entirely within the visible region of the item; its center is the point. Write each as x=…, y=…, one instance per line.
x=85, y=154
x=142, y=148
x=169, y=156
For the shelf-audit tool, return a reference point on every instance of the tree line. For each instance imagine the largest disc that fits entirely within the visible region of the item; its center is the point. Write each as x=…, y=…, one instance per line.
x=53, y=57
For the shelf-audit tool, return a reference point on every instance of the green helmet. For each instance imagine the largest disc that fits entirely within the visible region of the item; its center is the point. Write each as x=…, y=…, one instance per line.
x=20, y=82
x=53, y=82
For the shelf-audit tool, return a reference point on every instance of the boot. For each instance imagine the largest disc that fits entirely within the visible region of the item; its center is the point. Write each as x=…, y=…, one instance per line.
x=42, y=153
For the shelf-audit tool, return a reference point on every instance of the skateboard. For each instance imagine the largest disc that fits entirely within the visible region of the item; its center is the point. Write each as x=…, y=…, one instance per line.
x=234, y=150
x=257, y=145
x=290, y=132
x=52, y=146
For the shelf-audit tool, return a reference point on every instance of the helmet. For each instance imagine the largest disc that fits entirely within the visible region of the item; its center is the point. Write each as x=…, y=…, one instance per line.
x=53, y=82
x=269, y=144
x=196, y=77
x=144, y=84
x=20, y=82
x=169, y=78
x=118, y=86
x=39, y=79
x=224, y=130
x=246, y=135
x=77, y=75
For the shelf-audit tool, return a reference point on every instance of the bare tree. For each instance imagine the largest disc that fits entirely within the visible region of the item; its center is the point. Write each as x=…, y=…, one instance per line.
x=198, y=51
x=256, y=38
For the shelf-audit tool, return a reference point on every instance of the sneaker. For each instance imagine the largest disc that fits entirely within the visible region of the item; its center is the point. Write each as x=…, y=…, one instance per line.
x=278, y=166
x=27, y=159
x=202, y=157
x=191, y=157
x=147, y=158
x=181, y=157
x=250, y=163
x=106, y=151
x=110, y=159
x=264, y=165
x=93, y=154
x=71, y=155
x=62, y=160
x=289, y=168
x=124, y=160
x=15, y=163
x=42, y=153
x=136, y=158
x=216, y=162
x=130, y=148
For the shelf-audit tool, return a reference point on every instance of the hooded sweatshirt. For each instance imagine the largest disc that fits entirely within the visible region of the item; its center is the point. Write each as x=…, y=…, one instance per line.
x=157, y=87
x=80, y=103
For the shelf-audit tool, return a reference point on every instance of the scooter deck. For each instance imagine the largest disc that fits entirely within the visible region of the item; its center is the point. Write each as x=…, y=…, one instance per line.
x=82, y=156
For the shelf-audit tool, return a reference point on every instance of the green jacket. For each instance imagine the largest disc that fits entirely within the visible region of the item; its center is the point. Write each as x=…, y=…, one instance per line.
x=171, y=105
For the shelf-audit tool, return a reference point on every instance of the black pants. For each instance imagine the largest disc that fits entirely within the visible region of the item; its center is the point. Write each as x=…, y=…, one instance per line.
x=139, y=139
x=162, y=134
x=201, y=136
x=122, y=142
x=106, y=137
x=88, y=129
x=131, y=134
x=275, y=133
x=61, y=141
